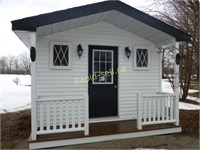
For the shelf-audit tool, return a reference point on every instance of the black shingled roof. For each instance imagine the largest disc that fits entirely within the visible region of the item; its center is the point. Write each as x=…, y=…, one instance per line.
x=31, y=23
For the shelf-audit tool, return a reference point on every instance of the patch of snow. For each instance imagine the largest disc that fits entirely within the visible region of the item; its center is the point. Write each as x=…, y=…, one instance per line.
x=15, y=97
x=188, y=106
x=166, y=86
x=196, y=99
x=192, y=91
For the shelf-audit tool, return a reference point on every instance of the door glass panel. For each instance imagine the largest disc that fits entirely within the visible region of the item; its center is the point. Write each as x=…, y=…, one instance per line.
x=96, y=56
x=102, y=79
x=96, y=66
x=103, y=56
x=108, y=66
x=96, y=77
x=100, y=66
x=108, y=58
x=108, y=78
x=103, y=66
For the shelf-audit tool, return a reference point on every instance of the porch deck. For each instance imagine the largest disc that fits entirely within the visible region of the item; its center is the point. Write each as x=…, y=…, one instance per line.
x=106, y=129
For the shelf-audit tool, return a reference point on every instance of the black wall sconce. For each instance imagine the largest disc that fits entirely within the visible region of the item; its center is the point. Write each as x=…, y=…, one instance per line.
x=128, y=52
x=178, y=58
x=79, y=50
x=33, y=53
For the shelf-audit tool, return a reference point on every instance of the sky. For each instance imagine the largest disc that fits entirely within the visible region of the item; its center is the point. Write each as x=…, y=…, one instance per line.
x=17, y=9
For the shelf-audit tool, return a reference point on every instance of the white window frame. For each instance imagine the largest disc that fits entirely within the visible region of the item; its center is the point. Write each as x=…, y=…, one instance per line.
x=135, y=59
x=112, y=76
x=69, y=56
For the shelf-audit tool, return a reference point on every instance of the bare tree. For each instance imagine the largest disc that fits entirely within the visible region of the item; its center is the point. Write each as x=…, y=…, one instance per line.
x=25, y=60
x=184, y=15
x=10, y=60
x=3, y=64
x=16, y=63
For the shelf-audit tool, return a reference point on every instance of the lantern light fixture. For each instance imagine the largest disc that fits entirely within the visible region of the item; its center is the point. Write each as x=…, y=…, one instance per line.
x=128, y=52
x=79, y=50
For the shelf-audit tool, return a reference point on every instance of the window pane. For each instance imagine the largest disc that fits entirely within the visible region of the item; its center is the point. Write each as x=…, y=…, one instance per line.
x=60, y=55
x=96, y=79
x=108, y=67
x=108, y=78
x=96, y=56
x=103, y=68
x=102, y=79
x=96, y=66
x=109, y=56
x=142, y=58
x=103, y=56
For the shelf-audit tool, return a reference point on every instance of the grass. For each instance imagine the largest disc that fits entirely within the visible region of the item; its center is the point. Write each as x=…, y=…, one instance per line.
x=7, y=145
x=15, y=127
x=196, y=94
x=194, y=84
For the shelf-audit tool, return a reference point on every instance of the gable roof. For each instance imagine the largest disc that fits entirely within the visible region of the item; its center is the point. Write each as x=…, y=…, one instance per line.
x=32, y=23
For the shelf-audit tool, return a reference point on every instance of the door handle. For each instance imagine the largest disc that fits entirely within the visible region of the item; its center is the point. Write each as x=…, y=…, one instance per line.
x=115, y=86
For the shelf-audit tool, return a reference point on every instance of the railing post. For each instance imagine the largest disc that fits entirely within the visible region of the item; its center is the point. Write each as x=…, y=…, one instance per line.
x=176, y=84
x=139, y=112
x=86, y=132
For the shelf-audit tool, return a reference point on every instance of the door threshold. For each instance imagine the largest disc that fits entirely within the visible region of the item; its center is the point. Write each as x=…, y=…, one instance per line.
x=106, y=119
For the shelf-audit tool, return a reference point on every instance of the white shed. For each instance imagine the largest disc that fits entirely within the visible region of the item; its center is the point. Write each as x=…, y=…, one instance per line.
x=96, y=74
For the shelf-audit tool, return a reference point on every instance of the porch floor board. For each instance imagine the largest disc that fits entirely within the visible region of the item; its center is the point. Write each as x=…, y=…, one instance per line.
x=103, y=128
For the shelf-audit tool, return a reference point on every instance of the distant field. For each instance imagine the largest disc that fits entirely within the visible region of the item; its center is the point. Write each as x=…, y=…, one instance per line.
x=15, y=97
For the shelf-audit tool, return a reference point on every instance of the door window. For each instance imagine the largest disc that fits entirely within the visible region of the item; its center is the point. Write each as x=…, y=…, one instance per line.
x=102, y=67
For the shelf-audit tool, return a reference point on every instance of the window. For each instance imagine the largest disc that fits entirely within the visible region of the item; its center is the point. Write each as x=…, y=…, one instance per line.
x=60, y=55
x=141, y=58
x=102, y=66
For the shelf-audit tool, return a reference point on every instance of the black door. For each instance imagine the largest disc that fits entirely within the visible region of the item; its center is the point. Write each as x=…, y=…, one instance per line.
x=103, y=64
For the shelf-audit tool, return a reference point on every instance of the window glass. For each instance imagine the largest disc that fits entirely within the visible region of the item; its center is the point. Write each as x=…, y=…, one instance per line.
x=60, y=55
x=96, y=56
x=142, y=58
x=102, y=62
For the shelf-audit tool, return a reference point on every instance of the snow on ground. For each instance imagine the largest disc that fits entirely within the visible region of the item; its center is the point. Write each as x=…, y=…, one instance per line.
x=15, y=97
x=188, y=106
x=18, y=97
x=166, y=87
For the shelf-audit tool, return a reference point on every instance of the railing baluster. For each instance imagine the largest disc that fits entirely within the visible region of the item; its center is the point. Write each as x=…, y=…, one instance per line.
x=144, y=100
x=163, y=108
x=61, y=116
x=167, y=108
x=73, y=114
x=79, y=114
x=139, y=111
x=48, y=116
x=171, y=108
x=67, y=115
x=154, y=109
x=159, y=107
x=54, y=115
x=41, y=117
x=149, y=100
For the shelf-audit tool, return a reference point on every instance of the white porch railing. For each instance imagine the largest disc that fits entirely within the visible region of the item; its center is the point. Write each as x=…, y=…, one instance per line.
x=156, y=109
x=62, y=114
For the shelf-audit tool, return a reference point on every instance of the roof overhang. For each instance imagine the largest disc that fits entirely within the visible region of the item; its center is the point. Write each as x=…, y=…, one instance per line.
x=114, y=12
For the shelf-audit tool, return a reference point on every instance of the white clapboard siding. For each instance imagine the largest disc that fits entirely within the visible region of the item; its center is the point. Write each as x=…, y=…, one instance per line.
x=61, y=82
